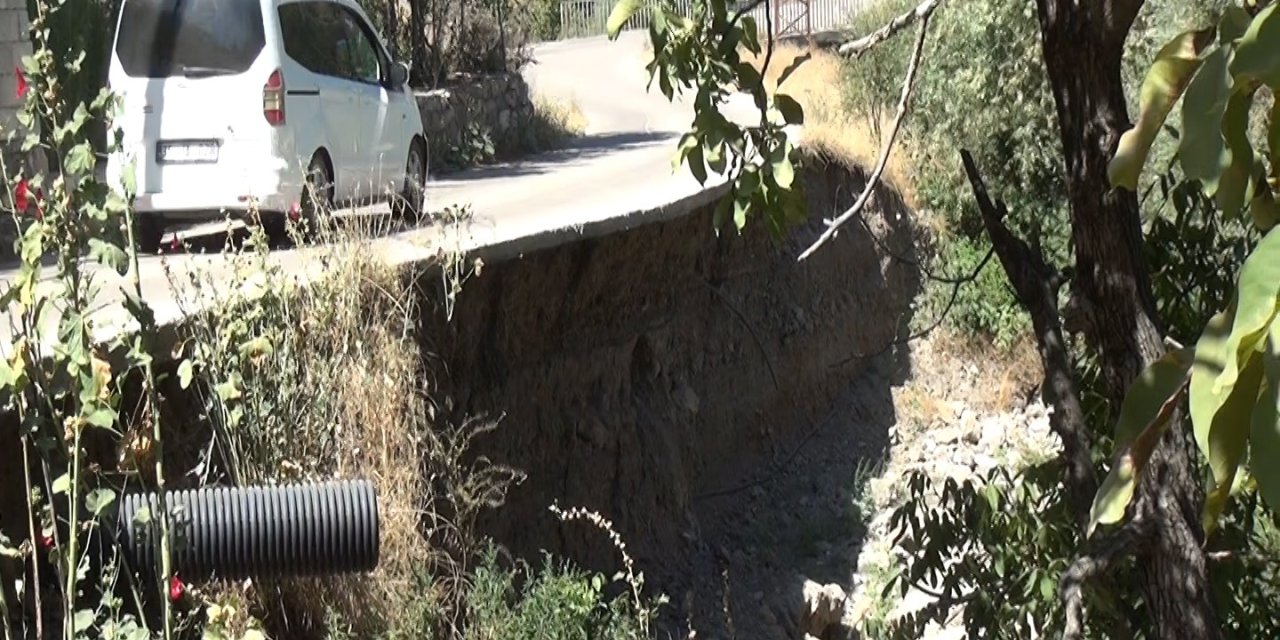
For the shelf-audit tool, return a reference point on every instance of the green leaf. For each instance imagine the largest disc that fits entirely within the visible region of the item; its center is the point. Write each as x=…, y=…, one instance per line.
x=1234, y=23
x=109, y=255
x=741, y=206
x=622, y=12
x=750, y=34
x=1201, y=146
x=1264, y=433
x=80, y=158
x=697, y=165
x=1258, y=52
x=1149, y=393
x=1228, y=435
x=102, y=418
x=688, y=142
x=783, y=172
x=1210, y=359
x=1255, y=307
x=1168, y=77
x=129, y=179
x=185, y=372
x=1263, y=208
x=792, y=112
x=747, y=76
x=1048, y=588
x=1237, y=159
x=98, y=500
x=62, y=484
x=83, y=620
x=1117, y=489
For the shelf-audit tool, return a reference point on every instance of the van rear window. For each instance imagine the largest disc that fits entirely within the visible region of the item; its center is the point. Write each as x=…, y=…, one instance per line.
x=195, y=38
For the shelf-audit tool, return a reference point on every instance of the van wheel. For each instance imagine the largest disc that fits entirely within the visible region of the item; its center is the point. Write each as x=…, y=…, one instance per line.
x=408, y=206
x=149, y=233
x=317, y=196
x=275, y=226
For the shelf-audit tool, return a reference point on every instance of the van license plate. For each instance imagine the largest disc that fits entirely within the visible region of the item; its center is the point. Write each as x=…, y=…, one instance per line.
x=186, y=152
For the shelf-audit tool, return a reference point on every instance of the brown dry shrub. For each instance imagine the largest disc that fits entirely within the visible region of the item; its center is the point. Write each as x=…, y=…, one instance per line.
x=339, y=395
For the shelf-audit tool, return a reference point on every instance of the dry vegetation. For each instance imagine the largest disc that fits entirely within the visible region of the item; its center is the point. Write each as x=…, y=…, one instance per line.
x=831, y=128
x=562, y=115
x=335, y=395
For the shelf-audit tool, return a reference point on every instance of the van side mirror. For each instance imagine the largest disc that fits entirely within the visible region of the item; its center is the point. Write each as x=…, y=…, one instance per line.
x=398, y=75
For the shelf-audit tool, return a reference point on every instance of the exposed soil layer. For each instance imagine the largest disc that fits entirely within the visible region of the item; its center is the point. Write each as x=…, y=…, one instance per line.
x=709, y=394
x=665, y=377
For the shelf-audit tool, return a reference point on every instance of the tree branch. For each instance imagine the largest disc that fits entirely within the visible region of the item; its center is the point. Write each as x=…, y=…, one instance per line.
x=856, y=48
x=955, y=283
x=1092, y=564
x=872, y=182
x=1035, y=284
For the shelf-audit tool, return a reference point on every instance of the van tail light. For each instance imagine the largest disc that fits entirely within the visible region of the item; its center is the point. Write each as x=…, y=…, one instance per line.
x=273, y=99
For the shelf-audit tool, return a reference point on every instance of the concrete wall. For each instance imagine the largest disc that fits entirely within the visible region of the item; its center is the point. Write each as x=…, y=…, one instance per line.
x=14, y=44
x=498, y=105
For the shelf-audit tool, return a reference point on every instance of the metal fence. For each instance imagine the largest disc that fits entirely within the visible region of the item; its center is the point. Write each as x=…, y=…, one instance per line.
x=584, y=18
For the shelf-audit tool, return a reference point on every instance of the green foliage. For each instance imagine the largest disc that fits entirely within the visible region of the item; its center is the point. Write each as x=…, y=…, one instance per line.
x=983, y=308
x=1246, y=575
x=998, y=545
x=475, y=146
x=79, y=36
x=64, y=386
x=1235, y=381
x=556, y=601
x=700, y=52
x=983, y=88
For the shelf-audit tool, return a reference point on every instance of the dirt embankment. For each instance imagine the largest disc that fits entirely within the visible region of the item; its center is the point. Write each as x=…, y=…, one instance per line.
x=704, y=393
x=663, y=376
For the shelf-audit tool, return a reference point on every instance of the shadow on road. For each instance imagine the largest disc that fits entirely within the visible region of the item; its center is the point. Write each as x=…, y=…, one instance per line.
x=579, y=150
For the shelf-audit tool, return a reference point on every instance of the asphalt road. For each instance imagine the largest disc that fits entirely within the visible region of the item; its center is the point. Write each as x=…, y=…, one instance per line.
x=621, y=165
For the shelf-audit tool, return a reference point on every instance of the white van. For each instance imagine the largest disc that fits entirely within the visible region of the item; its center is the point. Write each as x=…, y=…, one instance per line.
x=279, y=106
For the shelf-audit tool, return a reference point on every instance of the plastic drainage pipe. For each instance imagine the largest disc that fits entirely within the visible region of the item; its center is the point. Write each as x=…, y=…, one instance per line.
x=311, y=529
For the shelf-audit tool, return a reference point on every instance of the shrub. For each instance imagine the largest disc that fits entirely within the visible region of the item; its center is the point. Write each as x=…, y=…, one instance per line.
x=983, y=87
x=556, y=601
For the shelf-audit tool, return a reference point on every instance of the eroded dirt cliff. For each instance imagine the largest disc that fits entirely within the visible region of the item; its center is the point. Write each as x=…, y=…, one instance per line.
x=664, y=376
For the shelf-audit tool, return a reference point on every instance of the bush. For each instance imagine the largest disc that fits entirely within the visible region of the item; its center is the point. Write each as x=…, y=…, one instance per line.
x=557, y=601
x=983, y=87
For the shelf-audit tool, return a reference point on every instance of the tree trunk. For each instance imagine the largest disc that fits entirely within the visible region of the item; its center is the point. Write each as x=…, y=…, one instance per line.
x=1112, y=301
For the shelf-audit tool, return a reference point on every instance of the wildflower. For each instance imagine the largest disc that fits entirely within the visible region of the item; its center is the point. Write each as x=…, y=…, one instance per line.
x=46, y=541
x=21, y=197
x=176, y=588
x=22, y=82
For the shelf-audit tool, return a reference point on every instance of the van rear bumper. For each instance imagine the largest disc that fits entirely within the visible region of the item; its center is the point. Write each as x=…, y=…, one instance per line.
x=179, y=206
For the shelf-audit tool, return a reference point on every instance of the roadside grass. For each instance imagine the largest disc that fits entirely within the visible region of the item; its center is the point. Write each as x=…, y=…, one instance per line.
x=317, y=380
x=552, y=124
x=326, y=379
x=555, y=122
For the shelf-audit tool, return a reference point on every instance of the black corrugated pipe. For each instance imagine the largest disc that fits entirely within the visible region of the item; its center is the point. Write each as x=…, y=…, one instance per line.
x=318, y=528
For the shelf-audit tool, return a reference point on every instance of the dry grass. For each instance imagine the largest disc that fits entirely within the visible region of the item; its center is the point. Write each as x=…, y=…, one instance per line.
x=337, y=396
x=950, y=369
x=554, y=122
x=565, y=115
x=381, y=414
x=830, y=127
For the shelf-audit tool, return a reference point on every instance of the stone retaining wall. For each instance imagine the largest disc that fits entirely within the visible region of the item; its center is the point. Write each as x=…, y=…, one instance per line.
x=497, y=106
